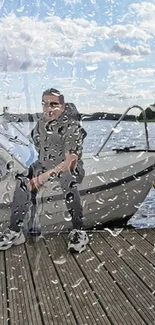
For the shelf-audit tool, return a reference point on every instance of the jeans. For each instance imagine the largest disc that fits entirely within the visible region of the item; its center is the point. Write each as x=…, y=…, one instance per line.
x=23, y=198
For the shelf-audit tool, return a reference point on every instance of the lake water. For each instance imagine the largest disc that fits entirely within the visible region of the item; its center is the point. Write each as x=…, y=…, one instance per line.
x=126, y=134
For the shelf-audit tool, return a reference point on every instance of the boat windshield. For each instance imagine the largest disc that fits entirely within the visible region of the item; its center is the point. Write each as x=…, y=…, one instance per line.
x=16, y=139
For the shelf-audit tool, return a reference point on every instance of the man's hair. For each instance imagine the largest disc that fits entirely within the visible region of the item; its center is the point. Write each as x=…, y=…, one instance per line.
x=54, y=92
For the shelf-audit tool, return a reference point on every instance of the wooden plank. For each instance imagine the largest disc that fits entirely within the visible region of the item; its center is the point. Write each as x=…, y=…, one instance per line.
x=53, y=303
x=147, y=234
x=79, y=292
x=132, y=287
x=23, y=305
x=142, y=246
x=109, y=295
x=4, y=315
x=137, y=263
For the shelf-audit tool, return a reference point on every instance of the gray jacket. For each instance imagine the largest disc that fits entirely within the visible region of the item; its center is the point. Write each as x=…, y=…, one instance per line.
x=54, y=139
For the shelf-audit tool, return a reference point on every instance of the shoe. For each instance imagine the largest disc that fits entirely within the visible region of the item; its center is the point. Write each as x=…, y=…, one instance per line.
x=9, y=238
x=78, y=240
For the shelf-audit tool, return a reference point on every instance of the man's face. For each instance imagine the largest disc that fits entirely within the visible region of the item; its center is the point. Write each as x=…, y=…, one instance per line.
x=51, y=107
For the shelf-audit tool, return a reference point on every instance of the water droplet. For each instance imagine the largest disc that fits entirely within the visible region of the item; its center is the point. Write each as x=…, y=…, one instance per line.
x=92, y=67
x=13, y=288
x=55, y=63
x=131, y=248
x=10, y=165
x=48, y=128
x=102, y=179
x=69, y=197
x=6, y=198
x=20, y=9
x=77, y=283
x=48, y=215
x=8, y=187
x=114, y=232
x=55, y=281
x=73, y=184
x=113, y=199
x=90, y=259
x=67, y=216
x=84, y=202
x=99, y=267
x=88, y=81
x=114, y=271
x=100, y=201
x=56, y=205
x=65, y=118
x=117, y=130
x=61, y=130
x=96, y=158
x=49, y=199
x=60, y=261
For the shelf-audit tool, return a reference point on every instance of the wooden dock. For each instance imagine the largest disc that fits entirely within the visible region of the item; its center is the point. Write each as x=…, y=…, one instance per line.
x=112, y=282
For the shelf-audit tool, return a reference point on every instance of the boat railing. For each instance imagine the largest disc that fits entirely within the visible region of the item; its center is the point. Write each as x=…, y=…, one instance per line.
x=120, y=119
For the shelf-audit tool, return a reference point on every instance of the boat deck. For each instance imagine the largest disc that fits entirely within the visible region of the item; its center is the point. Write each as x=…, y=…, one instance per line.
x=112, y=282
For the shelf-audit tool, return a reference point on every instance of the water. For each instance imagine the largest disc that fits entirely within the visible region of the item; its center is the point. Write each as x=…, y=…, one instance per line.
x=126, y=134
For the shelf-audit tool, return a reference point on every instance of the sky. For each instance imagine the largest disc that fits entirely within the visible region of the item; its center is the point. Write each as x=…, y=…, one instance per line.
x=99, y=53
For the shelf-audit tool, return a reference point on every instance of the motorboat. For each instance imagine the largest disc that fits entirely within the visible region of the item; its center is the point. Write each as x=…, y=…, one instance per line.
x=116, y=183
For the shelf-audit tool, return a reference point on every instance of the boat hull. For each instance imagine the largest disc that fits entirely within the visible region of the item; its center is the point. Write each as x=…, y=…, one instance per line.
x=111, y=194
x=106, y=206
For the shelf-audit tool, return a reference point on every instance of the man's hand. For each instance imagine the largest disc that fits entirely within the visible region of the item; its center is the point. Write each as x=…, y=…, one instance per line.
x=71, y=160
x=70, y=163
x=36, y=182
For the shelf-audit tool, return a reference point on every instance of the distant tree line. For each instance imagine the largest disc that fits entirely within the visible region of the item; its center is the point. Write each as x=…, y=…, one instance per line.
x=85, y=117
x=150, y=115
x=106, y=116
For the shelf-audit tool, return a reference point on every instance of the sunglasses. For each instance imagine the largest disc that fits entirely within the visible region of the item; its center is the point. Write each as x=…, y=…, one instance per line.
x=50, y=104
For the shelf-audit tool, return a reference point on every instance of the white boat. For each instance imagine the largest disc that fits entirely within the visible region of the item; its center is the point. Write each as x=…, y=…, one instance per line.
x=115, y=184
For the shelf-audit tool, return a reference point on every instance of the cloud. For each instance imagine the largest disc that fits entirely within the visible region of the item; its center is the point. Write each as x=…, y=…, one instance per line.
x=64, y=81
x=146, y=12
x=132, y=94
x=26, y=43
x=131, y=84
x=127, y=31
x=98, y=56
x=13, y=59
x=14, y=96
x=148, y=26
x=76, y=91
x=128, y=50
x=133, y=72
x=131, y=77
x=144, y=9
